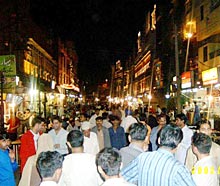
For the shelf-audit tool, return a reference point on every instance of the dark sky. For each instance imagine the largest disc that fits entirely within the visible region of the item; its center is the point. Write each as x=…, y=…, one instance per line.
x=103, y=30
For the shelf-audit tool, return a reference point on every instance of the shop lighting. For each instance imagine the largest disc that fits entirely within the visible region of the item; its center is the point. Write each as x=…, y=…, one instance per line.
x=189, y=35
x=12, y=105
x=52, y=96
x=62, y=96
x=33, y=91
x=167, y=96
x=217, y=85
x=210, y=98
x=149, y=96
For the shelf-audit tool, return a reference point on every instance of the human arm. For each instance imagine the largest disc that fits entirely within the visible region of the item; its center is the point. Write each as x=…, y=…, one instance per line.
x=183, y=178
x=130, y=172
x=11, y=155
x=124, y=143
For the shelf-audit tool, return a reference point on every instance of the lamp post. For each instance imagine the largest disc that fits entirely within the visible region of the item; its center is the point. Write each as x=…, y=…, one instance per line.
x=177, y=72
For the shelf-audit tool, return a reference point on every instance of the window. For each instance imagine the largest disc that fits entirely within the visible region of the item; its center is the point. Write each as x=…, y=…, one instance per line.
x=201, y=12
x=205, y=54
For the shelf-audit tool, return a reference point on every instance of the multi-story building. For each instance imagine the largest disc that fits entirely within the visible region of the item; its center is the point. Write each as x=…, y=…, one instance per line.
x=203, y=20
x=42, y=62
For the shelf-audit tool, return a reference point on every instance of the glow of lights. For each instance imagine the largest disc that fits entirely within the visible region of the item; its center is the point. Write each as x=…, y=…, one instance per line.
x=33, y=92
x=189, y=35
x=62, y=96
x=129, y=103
x=134, y=99
x=110, y=99
x=149, y=96
x=210, y=98
x=96, y=99
x=16, y=80
x=12, y=105
x=129, y=98
x=72, y=96
x=52, y=96
x=167, y=96
x=217, y=85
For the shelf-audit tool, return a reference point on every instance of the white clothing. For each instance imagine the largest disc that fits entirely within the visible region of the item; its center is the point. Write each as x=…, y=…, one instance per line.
x=209, y=178
x=92, y=120
x=214, y=152
x=36, y=136
x=91, y=144
x=106, y=123
x=60, y=138
x=116, y=182
x=184, y=145
x=48, y=183
x=79, y=169
x=28, y=177
x=127, y=121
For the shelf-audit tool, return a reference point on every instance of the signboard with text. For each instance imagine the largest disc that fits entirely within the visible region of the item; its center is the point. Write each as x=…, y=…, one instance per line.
x=187, y=79
x=8, y=67
x=210, y=76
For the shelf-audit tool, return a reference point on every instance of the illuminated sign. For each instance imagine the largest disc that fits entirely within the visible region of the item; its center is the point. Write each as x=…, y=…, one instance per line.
x=210, y=76
x=187, y=79
x=70, y=87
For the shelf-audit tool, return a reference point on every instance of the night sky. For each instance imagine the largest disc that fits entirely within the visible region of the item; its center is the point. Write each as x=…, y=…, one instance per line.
x=103, y=30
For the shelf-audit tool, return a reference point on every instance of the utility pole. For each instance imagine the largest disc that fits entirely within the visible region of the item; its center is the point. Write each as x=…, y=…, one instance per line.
x=178, y=93
x=1, y=102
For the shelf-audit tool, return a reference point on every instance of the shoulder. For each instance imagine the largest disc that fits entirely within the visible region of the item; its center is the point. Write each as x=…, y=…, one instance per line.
x=215, y=146
x=26, y=135
x=124, y=149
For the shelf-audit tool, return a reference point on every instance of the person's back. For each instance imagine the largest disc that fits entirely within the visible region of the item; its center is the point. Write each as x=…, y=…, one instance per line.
x=160, y=168
x=137, y=138
x=79, y=169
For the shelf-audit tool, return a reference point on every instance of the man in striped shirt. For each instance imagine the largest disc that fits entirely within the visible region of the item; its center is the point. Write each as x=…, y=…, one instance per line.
x=160, y=168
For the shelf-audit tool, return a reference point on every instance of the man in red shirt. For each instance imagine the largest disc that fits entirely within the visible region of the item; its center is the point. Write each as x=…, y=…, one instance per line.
x=13, y=123
x=29, y=141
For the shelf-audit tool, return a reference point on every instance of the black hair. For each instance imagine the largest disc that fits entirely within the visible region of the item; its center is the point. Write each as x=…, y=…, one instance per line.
x=143, y=117
x=109, y=159
x=114, y=117
x=170, y=136
x=203, y=142
x=4, y=135
x=104, y=115
x=48, y=162
x=182, y=117
x=35, y=121
x=138, y=131
x=57, y=118
x=201, y=122
x=75, y=138
x=99, y=118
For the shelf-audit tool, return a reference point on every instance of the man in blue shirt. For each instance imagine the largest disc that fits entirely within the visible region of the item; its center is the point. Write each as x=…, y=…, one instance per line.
x=160, y=168
x=117, y=133
x=8, y=165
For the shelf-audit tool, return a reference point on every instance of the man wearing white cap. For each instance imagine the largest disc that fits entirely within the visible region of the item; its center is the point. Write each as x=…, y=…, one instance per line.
x=90, y=144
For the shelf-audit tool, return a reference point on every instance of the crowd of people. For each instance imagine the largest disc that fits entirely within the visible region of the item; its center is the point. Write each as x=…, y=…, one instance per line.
x=121, y=147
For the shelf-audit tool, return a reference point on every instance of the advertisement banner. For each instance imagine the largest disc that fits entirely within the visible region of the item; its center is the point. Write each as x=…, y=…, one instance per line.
x=8, y=67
